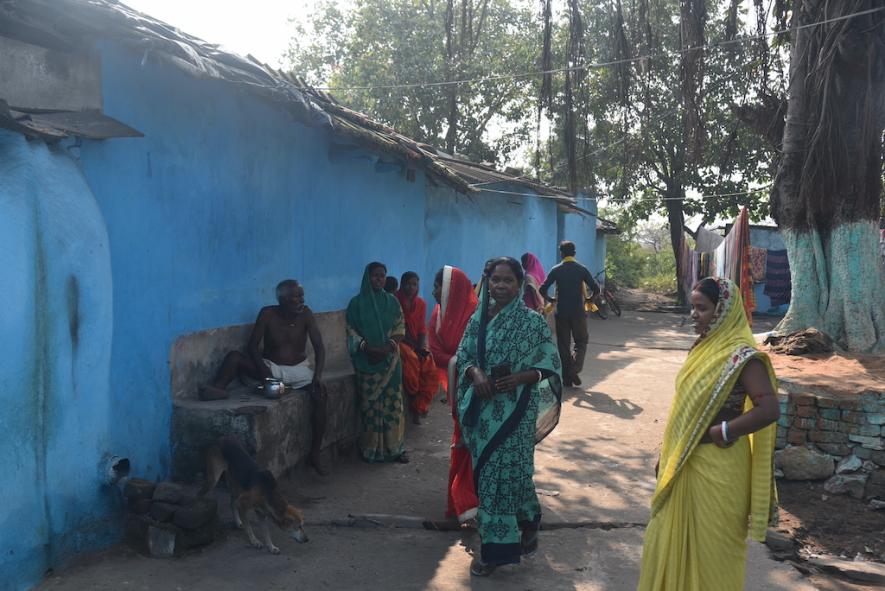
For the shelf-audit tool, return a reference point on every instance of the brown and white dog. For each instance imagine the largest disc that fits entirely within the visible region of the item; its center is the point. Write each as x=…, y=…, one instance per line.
x=251, y=490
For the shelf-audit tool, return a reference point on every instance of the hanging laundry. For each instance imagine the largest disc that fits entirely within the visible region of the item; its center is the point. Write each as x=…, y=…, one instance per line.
x=778, y=285
x=757, y=263
x=707, y=269
x=742, y=260
x=707, y=241
x=719, y=260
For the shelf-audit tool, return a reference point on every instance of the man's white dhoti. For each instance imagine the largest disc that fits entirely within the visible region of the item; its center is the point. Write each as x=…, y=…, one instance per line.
x=294, y=376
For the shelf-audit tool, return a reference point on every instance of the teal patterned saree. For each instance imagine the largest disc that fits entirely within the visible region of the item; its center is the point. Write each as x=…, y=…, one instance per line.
x=501, y=433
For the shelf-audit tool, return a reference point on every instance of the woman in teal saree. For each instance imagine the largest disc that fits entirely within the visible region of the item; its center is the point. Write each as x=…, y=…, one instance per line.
x=374, y=328
x=509, y=396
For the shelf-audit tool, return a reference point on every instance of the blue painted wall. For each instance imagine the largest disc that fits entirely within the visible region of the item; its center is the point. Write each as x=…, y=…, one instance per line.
x=581, y=230
x=466, y=231
x=196, y=222
x=222, y=198
x=56, y=327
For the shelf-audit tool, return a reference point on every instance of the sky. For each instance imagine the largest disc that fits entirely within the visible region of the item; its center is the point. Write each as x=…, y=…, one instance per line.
x=257, y=27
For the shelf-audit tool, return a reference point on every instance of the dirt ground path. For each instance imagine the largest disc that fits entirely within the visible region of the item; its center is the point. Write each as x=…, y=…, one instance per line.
x=596, y=469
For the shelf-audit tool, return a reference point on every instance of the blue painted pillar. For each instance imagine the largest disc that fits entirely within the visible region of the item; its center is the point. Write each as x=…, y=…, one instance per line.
x=56, y=326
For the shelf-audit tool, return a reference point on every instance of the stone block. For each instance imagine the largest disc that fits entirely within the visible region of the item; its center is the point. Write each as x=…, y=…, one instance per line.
x=849, y=464
x=171, y=493
x=863, y=452
x=831, y=414
x=140, y=506
x=785, y=420
x=162, y=512
x=802, y=423
x=865, y=430
x=806, y=411
x=780, y=543
x=835, y=449
x=827, y=437
x=197, y=514
x=801, y=463
x=827, y=425
x=850, y=484
x=876, y=418
x=853, y=416
x=803, y=399
x=874, y=443
x=191, y=538
x=279, y=435
x=826, y=402
x=850, y=404
x=161, y=542
x=873, y=402
x=796, y=436
x=136, y=529
x=876, y=485
x=138, y=488
x=780, y=442
x=877, y=457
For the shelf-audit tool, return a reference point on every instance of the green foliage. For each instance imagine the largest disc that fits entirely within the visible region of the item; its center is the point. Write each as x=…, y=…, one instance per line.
x=633, y=148
x=389, y=42
x=640, y=257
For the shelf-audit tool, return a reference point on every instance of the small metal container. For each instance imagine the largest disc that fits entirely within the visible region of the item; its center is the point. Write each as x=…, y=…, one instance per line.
x=273, y=388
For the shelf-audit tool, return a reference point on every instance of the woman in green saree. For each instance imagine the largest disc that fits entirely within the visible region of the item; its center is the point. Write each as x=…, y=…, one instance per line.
x=509, y=396
x=374, y=328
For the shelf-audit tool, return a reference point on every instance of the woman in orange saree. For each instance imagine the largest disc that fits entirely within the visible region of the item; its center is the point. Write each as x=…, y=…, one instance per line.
x=456, y=303
x=420, y=381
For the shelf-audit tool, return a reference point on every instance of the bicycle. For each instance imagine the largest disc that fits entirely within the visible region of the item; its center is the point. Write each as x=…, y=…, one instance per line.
x=603, y=299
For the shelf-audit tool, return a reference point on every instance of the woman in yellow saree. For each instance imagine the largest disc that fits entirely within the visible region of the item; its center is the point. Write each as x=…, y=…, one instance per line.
x=715, y=476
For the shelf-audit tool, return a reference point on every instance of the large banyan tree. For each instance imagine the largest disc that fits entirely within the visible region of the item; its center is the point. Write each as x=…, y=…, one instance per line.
x=827, y=192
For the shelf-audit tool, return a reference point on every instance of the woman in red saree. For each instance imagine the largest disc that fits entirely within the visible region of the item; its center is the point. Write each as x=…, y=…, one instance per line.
x=420, y=381
x=456, y=303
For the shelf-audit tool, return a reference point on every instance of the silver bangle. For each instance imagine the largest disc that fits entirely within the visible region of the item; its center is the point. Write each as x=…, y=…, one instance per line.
x=540, y=376
x=724, y=428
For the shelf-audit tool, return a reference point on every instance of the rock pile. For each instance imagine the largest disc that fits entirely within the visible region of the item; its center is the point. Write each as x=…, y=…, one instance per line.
x=832, y=437
x=165, y=520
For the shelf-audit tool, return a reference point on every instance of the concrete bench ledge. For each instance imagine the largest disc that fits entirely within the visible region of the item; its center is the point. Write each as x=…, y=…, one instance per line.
x=278, y=432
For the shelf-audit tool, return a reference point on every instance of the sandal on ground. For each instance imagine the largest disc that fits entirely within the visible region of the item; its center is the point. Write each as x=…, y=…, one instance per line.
x=403, y=459
x=529, y=542
x=478, y=568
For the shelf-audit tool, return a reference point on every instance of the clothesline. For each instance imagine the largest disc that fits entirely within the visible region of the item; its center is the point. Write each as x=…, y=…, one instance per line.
x=595, y=65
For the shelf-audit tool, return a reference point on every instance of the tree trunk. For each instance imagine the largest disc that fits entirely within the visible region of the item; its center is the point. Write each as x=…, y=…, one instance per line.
x=826, y=193
x=676, y=219
x=451, y=73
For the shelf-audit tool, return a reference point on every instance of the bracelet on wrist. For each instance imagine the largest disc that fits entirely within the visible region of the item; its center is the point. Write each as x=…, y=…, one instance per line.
x=724, y=428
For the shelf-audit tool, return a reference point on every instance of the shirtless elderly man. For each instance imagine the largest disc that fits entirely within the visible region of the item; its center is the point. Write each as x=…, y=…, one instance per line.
x=284, y=329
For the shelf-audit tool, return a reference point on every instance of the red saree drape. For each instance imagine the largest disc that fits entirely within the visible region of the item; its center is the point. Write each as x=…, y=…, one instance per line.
x=420, y=379
x=447, y=324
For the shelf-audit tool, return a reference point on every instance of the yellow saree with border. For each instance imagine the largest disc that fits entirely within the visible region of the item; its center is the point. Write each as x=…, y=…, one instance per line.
x=709, y=499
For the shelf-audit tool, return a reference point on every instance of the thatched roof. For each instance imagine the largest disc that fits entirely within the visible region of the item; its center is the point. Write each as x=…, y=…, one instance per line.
x=70, y=25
